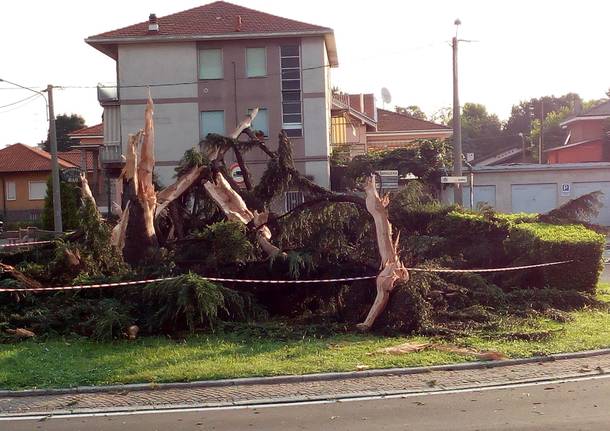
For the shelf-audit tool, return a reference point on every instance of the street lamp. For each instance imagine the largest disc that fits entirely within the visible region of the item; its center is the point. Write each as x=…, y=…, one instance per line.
x=522, y=146
x=57, y=222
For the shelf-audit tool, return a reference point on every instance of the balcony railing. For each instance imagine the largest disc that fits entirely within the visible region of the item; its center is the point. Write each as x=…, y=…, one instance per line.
x=111, y=153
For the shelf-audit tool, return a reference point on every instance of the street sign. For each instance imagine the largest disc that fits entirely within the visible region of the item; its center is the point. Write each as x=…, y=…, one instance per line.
x=454, y=180
x=387, y=179
x=70, y=175
x=236, y=174
x=566, y=189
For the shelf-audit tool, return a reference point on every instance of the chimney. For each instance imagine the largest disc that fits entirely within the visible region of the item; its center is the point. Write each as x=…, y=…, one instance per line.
x=153, y=24
x=238, y=23
x=362, y=103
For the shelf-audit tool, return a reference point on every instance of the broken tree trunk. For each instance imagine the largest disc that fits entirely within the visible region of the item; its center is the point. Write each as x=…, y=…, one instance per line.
x=392, y=268
x=25, y=281
x=173, y=192
x=235, y=209
x=136, y=229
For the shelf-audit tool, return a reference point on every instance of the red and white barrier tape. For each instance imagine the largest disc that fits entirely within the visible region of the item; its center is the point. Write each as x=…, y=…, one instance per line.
x=241, y=280
x=25, y=244
x=510, y=268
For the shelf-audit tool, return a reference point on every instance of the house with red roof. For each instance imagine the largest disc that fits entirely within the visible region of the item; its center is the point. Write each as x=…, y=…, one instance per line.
x=23, y=181
x=208, y=66
x=587, y=133
x=359, y=126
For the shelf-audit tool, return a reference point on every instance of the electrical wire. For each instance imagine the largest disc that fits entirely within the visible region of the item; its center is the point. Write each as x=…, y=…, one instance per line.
x=20, y=106
x=19, y=101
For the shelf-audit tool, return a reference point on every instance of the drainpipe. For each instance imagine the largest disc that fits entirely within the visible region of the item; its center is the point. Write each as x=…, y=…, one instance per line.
x=3, y=197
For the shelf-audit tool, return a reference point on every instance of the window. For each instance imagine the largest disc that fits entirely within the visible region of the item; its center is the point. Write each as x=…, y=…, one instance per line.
x=37, y=190
x=292, y=114
x=256, y=62
x=11, y=191
x=210, y=64
x=261, y=121
x=212, y=122
x=293, y=200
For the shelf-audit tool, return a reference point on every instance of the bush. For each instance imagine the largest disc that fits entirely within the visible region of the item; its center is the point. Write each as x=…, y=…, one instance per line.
x=70, y=197
x=531, y=243
x=190, y=302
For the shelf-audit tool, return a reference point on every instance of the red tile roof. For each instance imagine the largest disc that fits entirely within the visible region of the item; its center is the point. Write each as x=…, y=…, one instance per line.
x=74, y=157
x=89, y=132
x=23, y=158
x=217, y=18
x=388, y=121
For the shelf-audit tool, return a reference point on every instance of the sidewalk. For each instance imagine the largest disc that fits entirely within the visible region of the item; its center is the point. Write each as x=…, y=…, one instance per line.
x=274, y=390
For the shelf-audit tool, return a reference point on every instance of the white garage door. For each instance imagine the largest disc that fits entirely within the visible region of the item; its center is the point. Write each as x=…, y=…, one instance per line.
x=603, y=186
x=483, y=195
x=533, y=198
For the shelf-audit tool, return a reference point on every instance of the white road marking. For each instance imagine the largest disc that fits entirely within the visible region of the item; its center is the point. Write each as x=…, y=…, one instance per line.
x=162, y=410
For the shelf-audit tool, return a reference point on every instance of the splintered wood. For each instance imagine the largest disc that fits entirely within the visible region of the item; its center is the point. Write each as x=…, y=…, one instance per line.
x=392, y=268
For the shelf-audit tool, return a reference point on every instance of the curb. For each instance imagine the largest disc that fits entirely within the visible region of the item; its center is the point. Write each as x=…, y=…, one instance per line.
x=303, y=378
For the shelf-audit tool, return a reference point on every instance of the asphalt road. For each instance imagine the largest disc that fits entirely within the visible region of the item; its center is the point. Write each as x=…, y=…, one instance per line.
x=582, y=405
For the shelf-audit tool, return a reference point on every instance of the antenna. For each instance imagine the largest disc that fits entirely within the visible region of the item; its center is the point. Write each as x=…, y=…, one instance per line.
x=386, y=96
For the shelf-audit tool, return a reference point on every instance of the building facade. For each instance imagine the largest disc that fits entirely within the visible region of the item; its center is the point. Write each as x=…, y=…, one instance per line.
x=206, y=68
x=587, y=137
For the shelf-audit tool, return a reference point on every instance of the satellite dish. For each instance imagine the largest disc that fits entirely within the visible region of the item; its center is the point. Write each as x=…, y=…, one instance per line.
x=385, y=95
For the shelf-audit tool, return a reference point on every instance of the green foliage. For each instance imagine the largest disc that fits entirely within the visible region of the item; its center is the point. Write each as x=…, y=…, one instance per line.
x=412, y=111
x=480, y=129
x=110, y=320
x=218, y=245
x=191, y=302
x=581, y=209
x=64, y=125
x=330, y=234
x=70, y=201
x=427, y=159
x=542, y=242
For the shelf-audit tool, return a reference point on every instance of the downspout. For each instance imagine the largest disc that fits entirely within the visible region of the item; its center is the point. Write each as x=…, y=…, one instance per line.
x=4, y=197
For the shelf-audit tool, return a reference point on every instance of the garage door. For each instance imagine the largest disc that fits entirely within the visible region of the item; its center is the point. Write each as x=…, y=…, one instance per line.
x=483, y=195
x=533, y=198
x=603, y=186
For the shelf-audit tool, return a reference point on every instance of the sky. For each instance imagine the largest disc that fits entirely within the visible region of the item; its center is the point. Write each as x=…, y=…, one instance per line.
x=518, y=50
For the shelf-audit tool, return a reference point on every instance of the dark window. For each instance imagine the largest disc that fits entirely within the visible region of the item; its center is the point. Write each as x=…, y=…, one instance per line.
x=290, y=61
x=294, y=133
x=290, y=50
x=291, y=96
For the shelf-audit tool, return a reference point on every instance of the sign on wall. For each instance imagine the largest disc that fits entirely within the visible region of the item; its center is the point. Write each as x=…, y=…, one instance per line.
x=566, y=189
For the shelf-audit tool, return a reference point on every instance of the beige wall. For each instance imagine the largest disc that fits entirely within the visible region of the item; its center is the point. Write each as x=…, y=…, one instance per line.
x=177, y=108
x=23, y=201
x=504, y=180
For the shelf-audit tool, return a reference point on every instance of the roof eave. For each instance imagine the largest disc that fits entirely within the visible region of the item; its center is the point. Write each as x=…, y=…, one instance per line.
x=99, y=41
x=331, y=49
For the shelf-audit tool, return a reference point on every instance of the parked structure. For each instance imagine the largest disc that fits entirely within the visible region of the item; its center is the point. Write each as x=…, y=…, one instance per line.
x=205, y=68
x=537, y=188
x=586, y=134
x=358, y=126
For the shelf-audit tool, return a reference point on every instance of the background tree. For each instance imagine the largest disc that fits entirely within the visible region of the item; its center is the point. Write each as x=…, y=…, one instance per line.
x=70, y=197
x=412, y=111
x=65, y=124
x=480, y=130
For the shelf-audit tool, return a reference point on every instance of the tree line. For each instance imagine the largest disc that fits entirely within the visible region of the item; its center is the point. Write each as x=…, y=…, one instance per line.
x=483, y=133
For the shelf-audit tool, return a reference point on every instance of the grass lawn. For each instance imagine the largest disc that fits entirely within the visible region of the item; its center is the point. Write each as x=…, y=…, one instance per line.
x=73, y=362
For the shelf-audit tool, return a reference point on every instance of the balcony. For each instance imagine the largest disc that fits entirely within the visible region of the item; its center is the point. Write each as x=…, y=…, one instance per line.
x=111, y=153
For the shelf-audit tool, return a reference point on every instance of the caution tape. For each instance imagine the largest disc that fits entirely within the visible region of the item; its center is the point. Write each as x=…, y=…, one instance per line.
x=510, y=268
x=24, y=244
x=242, y=280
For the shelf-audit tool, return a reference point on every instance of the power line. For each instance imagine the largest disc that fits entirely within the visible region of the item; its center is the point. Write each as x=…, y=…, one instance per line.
x=19, y=106
x=19, y=101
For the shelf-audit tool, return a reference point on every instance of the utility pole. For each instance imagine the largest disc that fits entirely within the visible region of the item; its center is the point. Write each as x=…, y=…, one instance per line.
x=57, y=222
x=541, y=139
x=457, y=122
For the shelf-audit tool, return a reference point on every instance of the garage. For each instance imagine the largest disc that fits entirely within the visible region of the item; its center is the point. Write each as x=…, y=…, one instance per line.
x=583, y=188
x=533, y=198
x=483, y=195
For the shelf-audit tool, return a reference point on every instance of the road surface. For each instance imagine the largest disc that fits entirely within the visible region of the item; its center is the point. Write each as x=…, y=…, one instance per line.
x=571, y=405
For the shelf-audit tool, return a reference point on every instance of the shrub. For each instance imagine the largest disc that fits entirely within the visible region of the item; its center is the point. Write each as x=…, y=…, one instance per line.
x=70, y=197
x=190, y=302
x=531, y=243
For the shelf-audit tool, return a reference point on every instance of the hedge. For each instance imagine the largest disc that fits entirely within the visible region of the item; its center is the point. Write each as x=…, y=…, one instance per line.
x=498, y=240
x=531, y=243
